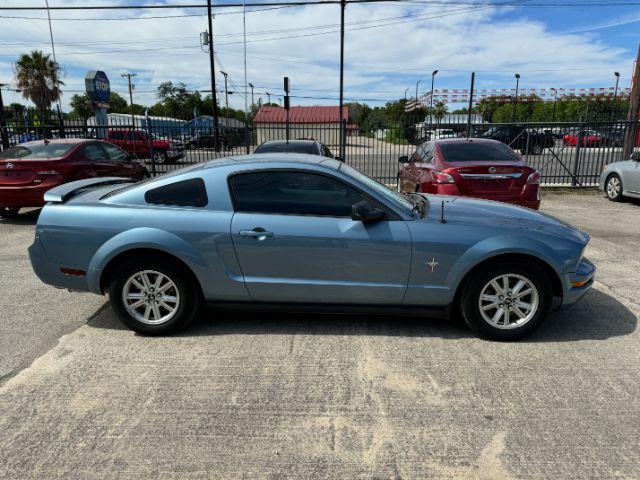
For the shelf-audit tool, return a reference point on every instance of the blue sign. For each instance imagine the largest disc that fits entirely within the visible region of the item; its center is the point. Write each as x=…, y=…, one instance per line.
x=97, y=86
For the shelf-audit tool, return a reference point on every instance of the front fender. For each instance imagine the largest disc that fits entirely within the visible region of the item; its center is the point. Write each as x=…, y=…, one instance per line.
x=144, y=237
x=501, y=245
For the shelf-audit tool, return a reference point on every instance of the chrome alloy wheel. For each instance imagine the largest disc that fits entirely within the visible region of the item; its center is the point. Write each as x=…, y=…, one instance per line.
x=613, y=187
x=150, y=297
x=508, y=301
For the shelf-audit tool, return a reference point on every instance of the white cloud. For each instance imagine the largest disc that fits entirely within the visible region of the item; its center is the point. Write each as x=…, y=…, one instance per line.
x=380, y=62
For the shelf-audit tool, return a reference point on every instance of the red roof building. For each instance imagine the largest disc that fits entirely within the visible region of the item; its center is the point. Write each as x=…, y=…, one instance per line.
x=329, y=114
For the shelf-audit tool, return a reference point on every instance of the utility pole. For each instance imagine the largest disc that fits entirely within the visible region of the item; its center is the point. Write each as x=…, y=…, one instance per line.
x=632, y=114
x=473, y=81
x=433, y=80
x=53, y=50
x=555, y=100
x=131, y=87
x=252, y=102
x=515, y=104
x=343, y=5
x=216, y=136
x=226, y=91
x=4, y=135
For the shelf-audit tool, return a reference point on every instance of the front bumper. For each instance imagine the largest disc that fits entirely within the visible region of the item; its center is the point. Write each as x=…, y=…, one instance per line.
x=578, y=283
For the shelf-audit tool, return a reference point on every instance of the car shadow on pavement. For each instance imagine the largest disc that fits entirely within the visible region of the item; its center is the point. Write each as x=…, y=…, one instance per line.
x=598, y=317
x=30, y=217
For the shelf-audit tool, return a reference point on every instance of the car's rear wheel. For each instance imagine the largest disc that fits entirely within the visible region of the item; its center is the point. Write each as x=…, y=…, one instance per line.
x=154, y=297
x=613, y=187
x=159, y=157
x=9, y=212
x=506, y=301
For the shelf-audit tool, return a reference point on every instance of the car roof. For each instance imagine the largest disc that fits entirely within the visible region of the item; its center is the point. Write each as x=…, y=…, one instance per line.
x=465, y=140
x=295, y=142
x=278, y=157
x=60, y=140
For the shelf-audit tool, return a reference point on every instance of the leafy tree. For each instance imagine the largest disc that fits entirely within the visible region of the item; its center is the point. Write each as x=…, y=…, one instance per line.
x=439, y=111
x=37, y=77
x=82, y=106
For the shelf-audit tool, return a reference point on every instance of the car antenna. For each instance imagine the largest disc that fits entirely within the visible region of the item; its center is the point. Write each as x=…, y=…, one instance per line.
x=442, y=220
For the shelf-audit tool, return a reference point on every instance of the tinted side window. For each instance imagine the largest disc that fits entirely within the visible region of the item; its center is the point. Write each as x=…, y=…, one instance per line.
x=293, y=193
x=114, y=152
x=187, y=193
x=94, y=152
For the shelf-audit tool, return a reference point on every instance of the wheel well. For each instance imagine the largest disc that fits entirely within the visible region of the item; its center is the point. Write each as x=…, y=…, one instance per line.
x=136, y=254
x=556, y=284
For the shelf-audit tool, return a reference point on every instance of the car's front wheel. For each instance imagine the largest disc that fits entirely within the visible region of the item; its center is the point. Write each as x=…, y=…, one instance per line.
x=154, y=297
x=613, y=187
x=8, y=212
x=159, y=157
x=506, y=301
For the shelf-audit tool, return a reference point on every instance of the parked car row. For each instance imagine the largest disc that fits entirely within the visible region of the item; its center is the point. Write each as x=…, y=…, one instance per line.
x=29, y=170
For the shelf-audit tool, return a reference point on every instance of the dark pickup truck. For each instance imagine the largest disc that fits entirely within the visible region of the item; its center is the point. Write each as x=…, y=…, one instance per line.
x=518, y=137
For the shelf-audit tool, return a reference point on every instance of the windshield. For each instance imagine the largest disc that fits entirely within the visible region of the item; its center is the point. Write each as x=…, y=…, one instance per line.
x=38, y=151
x=395, y=198
x=284, y=147
x=469, y=152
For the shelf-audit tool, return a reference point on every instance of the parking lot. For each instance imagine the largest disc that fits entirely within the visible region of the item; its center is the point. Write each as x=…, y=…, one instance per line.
x=263, y=395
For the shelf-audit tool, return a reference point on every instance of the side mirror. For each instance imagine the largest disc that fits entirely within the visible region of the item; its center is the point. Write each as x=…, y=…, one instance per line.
x=403, y=159
x=635, y=156
x=365, y=212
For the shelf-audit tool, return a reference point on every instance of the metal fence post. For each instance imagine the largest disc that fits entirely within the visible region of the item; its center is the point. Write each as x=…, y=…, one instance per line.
x=576, y=159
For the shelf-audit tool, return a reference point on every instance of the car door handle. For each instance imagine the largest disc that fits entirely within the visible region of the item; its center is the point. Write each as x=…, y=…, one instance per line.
x=257, y=233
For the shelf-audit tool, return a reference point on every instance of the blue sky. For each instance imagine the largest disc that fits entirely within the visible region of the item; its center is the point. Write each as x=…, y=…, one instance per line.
x=389, y=47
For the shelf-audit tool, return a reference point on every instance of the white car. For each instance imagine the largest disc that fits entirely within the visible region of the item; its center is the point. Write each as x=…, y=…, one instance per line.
x=622, y=179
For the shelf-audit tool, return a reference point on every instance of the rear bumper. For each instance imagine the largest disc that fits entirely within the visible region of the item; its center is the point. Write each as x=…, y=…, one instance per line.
x=49, y=272
x=25, y=196
x=578, y=283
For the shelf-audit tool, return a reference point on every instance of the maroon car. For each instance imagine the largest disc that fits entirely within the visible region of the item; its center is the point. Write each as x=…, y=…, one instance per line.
x=28, y=170
x=472, y=167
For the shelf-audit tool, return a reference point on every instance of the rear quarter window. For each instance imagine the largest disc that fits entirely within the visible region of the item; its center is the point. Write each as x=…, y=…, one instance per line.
x=185, y=193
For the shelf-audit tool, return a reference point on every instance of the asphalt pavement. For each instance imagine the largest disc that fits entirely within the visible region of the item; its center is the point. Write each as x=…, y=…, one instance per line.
x=261, y=395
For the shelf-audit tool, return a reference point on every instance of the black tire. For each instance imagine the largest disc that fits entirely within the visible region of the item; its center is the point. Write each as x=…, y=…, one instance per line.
x=9, y=212
x=611, y=190
x=535, y=149
x=159, y=158
x=474, y=287
x=188, y=295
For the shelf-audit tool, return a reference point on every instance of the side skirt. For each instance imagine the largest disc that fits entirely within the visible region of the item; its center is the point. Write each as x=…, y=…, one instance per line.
x=336, y=309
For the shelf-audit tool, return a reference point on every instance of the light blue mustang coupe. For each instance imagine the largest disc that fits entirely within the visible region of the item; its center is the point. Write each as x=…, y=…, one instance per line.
x=300, y=231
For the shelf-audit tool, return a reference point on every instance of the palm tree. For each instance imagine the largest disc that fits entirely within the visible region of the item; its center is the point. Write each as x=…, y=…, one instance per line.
x=439, y=111
x=36, y=76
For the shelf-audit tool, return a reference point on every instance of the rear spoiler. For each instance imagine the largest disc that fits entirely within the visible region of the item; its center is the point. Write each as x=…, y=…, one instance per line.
x=68, y=190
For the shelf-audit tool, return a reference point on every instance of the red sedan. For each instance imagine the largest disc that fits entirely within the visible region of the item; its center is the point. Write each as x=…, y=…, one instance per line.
x=590, y=138
x=473, y=167
x=28, y=170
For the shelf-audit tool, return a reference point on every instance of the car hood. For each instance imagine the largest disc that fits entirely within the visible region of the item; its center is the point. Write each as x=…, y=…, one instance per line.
x=487, y=213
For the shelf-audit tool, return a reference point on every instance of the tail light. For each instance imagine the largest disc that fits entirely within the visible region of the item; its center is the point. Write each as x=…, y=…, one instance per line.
x=534, y=179
x=441, y=177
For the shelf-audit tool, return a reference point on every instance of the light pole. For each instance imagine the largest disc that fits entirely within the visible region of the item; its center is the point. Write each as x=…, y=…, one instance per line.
x=555, y=100
x=268, y=97
x=226, y=91
x=615, y=95
x=515, y=103
x=433, y=80
x=417, y=83
x=405, y=93
x=251, y=85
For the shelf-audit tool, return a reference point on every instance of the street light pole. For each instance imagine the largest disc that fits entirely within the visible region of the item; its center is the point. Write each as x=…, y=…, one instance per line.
x=214, y=99
x=343, y=5
x=226, y=91
x=615, y=95
x=417, y=83
x=433, y=79
x=4, y=134
x=268, y=97
x=515, y=104
x=555, y=100
x=252, y=102
x=405, y=93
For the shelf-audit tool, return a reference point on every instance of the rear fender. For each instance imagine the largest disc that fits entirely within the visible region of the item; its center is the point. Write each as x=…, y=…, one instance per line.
x=151, y=238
